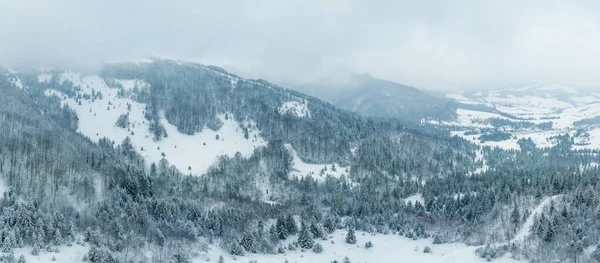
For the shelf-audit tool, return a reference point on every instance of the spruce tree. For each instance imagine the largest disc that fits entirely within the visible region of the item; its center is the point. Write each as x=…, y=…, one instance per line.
x=305, y=239
x=9, y=242
x=249, y=243
x=236, y=249
x=58, y=240
x=281, y=228
x=351, y=237
x=318, y=248
x=290, y=224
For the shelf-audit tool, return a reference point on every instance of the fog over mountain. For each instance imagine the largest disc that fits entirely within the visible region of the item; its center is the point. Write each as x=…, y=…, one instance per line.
x=436, y=44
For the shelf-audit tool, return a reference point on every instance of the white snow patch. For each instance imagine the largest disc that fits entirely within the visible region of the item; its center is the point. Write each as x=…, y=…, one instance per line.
x=317, y=171
x=46, y=77
x=3, y=187
x=414, y=198
x=15, y=81
x=130, y=84
x=480, y=157
x=510, y=144
x=66, y=254
x=296, y=108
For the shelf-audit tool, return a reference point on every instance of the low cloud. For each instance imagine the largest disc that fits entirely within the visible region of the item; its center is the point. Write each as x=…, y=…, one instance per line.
x=431, y=44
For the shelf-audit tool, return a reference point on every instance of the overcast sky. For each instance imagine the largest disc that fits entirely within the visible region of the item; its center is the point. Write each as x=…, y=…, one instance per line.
x=428, y=44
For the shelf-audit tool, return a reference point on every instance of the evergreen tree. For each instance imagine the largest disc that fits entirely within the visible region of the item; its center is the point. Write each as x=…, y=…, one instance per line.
x=10, y=258
x=248, y=242
x=549, y=234
x=329, y=225
x=305, y=239
x=9, y=243
x=318, y=248
x=316, y=230
x=515, y=216
x=281, y=228
x=58, y=240
x=351, y=237
x=236, y=249
x=290, y=224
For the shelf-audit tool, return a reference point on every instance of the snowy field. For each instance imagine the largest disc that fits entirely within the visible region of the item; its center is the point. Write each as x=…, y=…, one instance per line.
x=558, y=104
x=386, y=248
x=65, y=254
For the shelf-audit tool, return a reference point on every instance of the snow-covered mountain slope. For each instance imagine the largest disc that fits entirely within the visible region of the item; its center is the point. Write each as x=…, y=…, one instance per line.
x=499, y=118
x=194, y=154
x=190, y=114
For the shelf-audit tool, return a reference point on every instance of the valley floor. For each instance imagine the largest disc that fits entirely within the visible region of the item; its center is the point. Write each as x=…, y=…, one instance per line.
x=386, y=248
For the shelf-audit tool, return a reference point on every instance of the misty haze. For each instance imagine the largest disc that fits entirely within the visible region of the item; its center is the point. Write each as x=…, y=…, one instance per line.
x=299, y=131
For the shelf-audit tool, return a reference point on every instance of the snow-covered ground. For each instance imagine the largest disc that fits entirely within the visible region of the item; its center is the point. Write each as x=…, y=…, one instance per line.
x=66, y=254
x=15, y=81
x=192, y=154
x=386, y=248
x=3, y=187
x=317, y=171
x=295, y=108
x=415, y=198
x=46, y=77
x=558, y=104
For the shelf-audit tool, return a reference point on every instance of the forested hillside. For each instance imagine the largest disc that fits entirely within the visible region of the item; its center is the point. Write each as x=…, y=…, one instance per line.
x=307, y=170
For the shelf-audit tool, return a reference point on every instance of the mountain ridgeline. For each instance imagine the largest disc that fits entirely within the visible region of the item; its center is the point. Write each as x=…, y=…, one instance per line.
x=379, y=98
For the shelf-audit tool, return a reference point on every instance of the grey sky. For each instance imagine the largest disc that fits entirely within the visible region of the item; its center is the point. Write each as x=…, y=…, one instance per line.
x=431, y=44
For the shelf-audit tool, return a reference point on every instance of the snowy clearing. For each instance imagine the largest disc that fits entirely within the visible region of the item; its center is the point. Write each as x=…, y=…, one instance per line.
x=317, y=171
x=131, y=84
x=386, y=248
x=66, y=254
x=414, y=198
x=295, y=108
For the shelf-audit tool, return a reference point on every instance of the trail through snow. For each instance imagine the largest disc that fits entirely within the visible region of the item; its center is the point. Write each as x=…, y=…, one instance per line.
x=526, y=228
